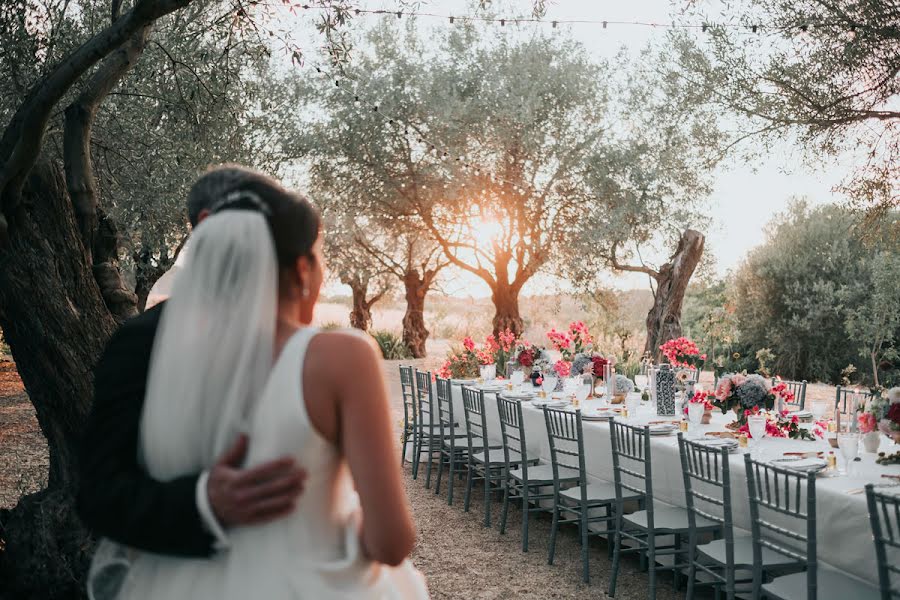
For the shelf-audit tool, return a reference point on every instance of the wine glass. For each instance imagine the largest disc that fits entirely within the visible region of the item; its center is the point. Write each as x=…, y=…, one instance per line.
x=818, y=410
x=757, y=425
x=641, y=381
x=582, y=392
x=695, y=416
x=848, y=442
x=517, y=377
x=549, y=383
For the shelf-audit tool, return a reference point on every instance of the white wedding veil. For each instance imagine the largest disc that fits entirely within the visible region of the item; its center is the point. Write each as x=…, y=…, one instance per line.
x=211, y=358
x=213, y=350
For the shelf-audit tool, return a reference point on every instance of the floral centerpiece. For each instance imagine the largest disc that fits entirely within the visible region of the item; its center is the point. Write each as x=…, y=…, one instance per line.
x=622, y=387
x=572, y=342
x=742, y=393
x=705, y=399
x=783, y=425
x=882, y=412
x=465, y=362
x=683, y=352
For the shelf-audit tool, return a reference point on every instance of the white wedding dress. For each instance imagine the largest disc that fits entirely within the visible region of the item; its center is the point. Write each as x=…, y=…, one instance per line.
x=312, y=553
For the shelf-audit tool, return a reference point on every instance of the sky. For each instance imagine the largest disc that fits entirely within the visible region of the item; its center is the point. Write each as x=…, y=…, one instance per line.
x=745, y=197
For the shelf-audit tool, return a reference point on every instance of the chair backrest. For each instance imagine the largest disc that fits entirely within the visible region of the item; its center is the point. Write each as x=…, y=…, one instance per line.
x=444, y=391
x=631, y=463
x=566, y=444
x=512, y=431
x=779, y=496
x=884, y=514
x=799, y=390
x=476, y=422
x=408, y=391
x=843, y=401
x=425, y=400
x=707, y=490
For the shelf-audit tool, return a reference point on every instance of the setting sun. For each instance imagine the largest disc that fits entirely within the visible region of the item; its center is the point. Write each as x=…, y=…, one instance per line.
x=485, y=231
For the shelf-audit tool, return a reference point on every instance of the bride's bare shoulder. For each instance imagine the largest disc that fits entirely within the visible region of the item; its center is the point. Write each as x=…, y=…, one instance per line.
x=344, y=345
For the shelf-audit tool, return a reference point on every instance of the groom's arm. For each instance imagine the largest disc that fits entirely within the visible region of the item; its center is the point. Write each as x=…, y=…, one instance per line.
x=117, y=498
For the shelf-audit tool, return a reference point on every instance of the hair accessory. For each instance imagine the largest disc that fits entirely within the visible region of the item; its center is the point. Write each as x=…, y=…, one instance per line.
x=239, y=196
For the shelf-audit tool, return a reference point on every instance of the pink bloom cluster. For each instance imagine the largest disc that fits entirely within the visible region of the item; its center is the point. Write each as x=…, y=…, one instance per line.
x=867, y=422
x=563, y=368
x=560, y=339
x=781, y=391
x=679, y=350
x=507, y=340
x=577, y=329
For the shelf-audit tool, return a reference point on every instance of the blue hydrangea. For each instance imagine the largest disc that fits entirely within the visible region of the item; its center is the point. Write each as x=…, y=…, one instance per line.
x=753, y=392
x=580, y=362
x=623, y=384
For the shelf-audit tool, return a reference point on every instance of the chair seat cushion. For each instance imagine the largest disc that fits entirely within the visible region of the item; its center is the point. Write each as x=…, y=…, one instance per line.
x=596, y=492
x=832, y=585
x=743, y=552
x=667, y=518
x=543, y=473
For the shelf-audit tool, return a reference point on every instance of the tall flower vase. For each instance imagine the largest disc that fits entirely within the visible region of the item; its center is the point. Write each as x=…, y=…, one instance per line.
x=665, y=391
x=871, y=441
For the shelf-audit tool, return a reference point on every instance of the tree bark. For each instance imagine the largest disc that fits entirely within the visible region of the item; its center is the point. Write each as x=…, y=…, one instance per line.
x=360, y=314
x=414, y=332
x=664, y=318
x=506, y=309
x=57, y=324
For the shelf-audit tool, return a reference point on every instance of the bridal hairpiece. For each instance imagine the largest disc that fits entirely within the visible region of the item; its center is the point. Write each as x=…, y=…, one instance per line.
x=242, y=196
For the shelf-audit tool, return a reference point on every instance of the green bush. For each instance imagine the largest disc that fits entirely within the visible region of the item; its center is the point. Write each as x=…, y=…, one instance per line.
x=331, y=325
x=392, y=346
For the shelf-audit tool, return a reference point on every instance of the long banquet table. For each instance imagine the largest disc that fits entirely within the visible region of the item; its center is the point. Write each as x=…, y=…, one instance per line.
x=844, y=534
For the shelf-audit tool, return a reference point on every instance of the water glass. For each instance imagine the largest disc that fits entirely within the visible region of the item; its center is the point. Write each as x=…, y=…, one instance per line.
x=641, y=381
x=488, y=372
x=517, y=377
x=695, y=416
x=549, y=383
x=848, y=442
x=582, y=392
x=757, y=426
x=818, y=410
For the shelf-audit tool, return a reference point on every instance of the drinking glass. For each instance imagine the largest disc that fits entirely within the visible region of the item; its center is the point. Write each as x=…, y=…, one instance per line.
x=695, y=416
x=549, y=383
x=570, y=385
x=818, y=410
x=582, y=392
x=632, y=402
x=757, y=425
x=517, y=377
x=848, y=442
x=490, y=372
x=641, y=381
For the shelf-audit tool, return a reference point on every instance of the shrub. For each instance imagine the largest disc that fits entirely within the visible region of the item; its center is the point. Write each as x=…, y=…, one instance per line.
x=392, y=346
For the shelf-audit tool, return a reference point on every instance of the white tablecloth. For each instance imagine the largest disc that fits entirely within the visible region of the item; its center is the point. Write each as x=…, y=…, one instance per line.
x=844, y=534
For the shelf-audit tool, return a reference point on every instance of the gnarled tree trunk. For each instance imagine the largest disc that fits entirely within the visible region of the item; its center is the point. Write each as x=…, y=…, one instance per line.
x=664, y=318
x=57, y=324
x=414, y=332
x=361, y=313
x=506, y=309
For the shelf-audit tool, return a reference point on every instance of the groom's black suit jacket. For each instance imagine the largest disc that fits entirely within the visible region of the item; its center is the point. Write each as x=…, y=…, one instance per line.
x=117, y=498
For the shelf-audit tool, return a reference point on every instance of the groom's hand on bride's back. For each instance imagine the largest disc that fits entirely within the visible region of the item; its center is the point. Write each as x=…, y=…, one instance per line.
x=256, y=495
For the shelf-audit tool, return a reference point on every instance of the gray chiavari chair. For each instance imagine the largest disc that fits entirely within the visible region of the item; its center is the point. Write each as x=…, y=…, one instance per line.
x=633, y=478
x=481, y=463
x=581, y=503
x=707, y=490
x=884, y=514
x=408, y=391
x=843, y=402
x=779, y=496
x=524, y=477
x=452, y=448
x=427, y=426
x=799, y=390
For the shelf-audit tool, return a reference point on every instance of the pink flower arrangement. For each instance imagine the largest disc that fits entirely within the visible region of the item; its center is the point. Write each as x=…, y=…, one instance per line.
x=867, y=422
x=559, y=339
x=507, y=340
x=563, y=368
x=781, y=391
x=683, y=352
x=700, y=398
x=576, y=340
x=469, y=343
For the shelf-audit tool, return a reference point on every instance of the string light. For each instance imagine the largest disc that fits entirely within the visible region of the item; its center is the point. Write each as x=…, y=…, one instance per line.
x=502, y=21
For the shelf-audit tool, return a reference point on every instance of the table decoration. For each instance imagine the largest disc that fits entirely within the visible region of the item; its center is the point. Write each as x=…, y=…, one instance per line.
x=739, y=393
x=623, y=387
x=783, y=425
x=684, y=356
x=882, y=409
x=888, y=459
x=703, y=398
x=665, y=391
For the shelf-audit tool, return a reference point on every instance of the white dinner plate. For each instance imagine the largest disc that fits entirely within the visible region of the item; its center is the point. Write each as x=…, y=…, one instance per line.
x=663, y=429
x=804, y=465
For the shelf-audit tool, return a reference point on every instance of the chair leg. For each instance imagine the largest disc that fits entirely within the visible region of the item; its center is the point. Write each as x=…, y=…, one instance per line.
x=616, y=551
x=525, y=513
x=585, y=558
x=610, y=532
x=450, y=482
x=651, y=563
x=676, y=576
x=487, y=495
x=430, y=461
x=415, y=457
x=437, y=485
x=405, y=440
x=692, y=568
x=553, y=529
x=505, y=504
x=468, y=486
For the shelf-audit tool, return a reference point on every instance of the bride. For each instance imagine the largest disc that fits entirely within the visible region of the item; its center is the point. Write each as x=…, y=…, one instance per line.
x=234, y=353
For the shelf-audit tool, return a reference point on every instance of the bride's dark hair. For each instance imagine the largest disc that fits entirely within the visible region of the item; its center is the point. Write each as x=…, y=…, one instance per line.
x=293, y=220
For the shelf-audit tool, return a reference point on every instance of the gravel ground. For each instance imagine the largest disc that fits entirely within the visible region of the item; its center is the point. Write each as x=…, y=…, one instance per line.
x=459, y=557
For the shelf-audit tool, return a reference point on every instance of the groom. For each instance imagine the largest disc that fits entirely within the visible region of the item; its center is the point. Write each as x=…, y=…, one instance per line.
x=188, y=516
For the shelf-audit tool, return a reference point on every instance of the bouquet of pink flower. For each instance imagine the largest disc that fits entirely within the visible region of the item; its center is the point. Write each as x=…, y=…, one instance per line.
x=576, y=340
x=683, y=352
x=784, y=425
x=464, y=363
x=562, y=368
